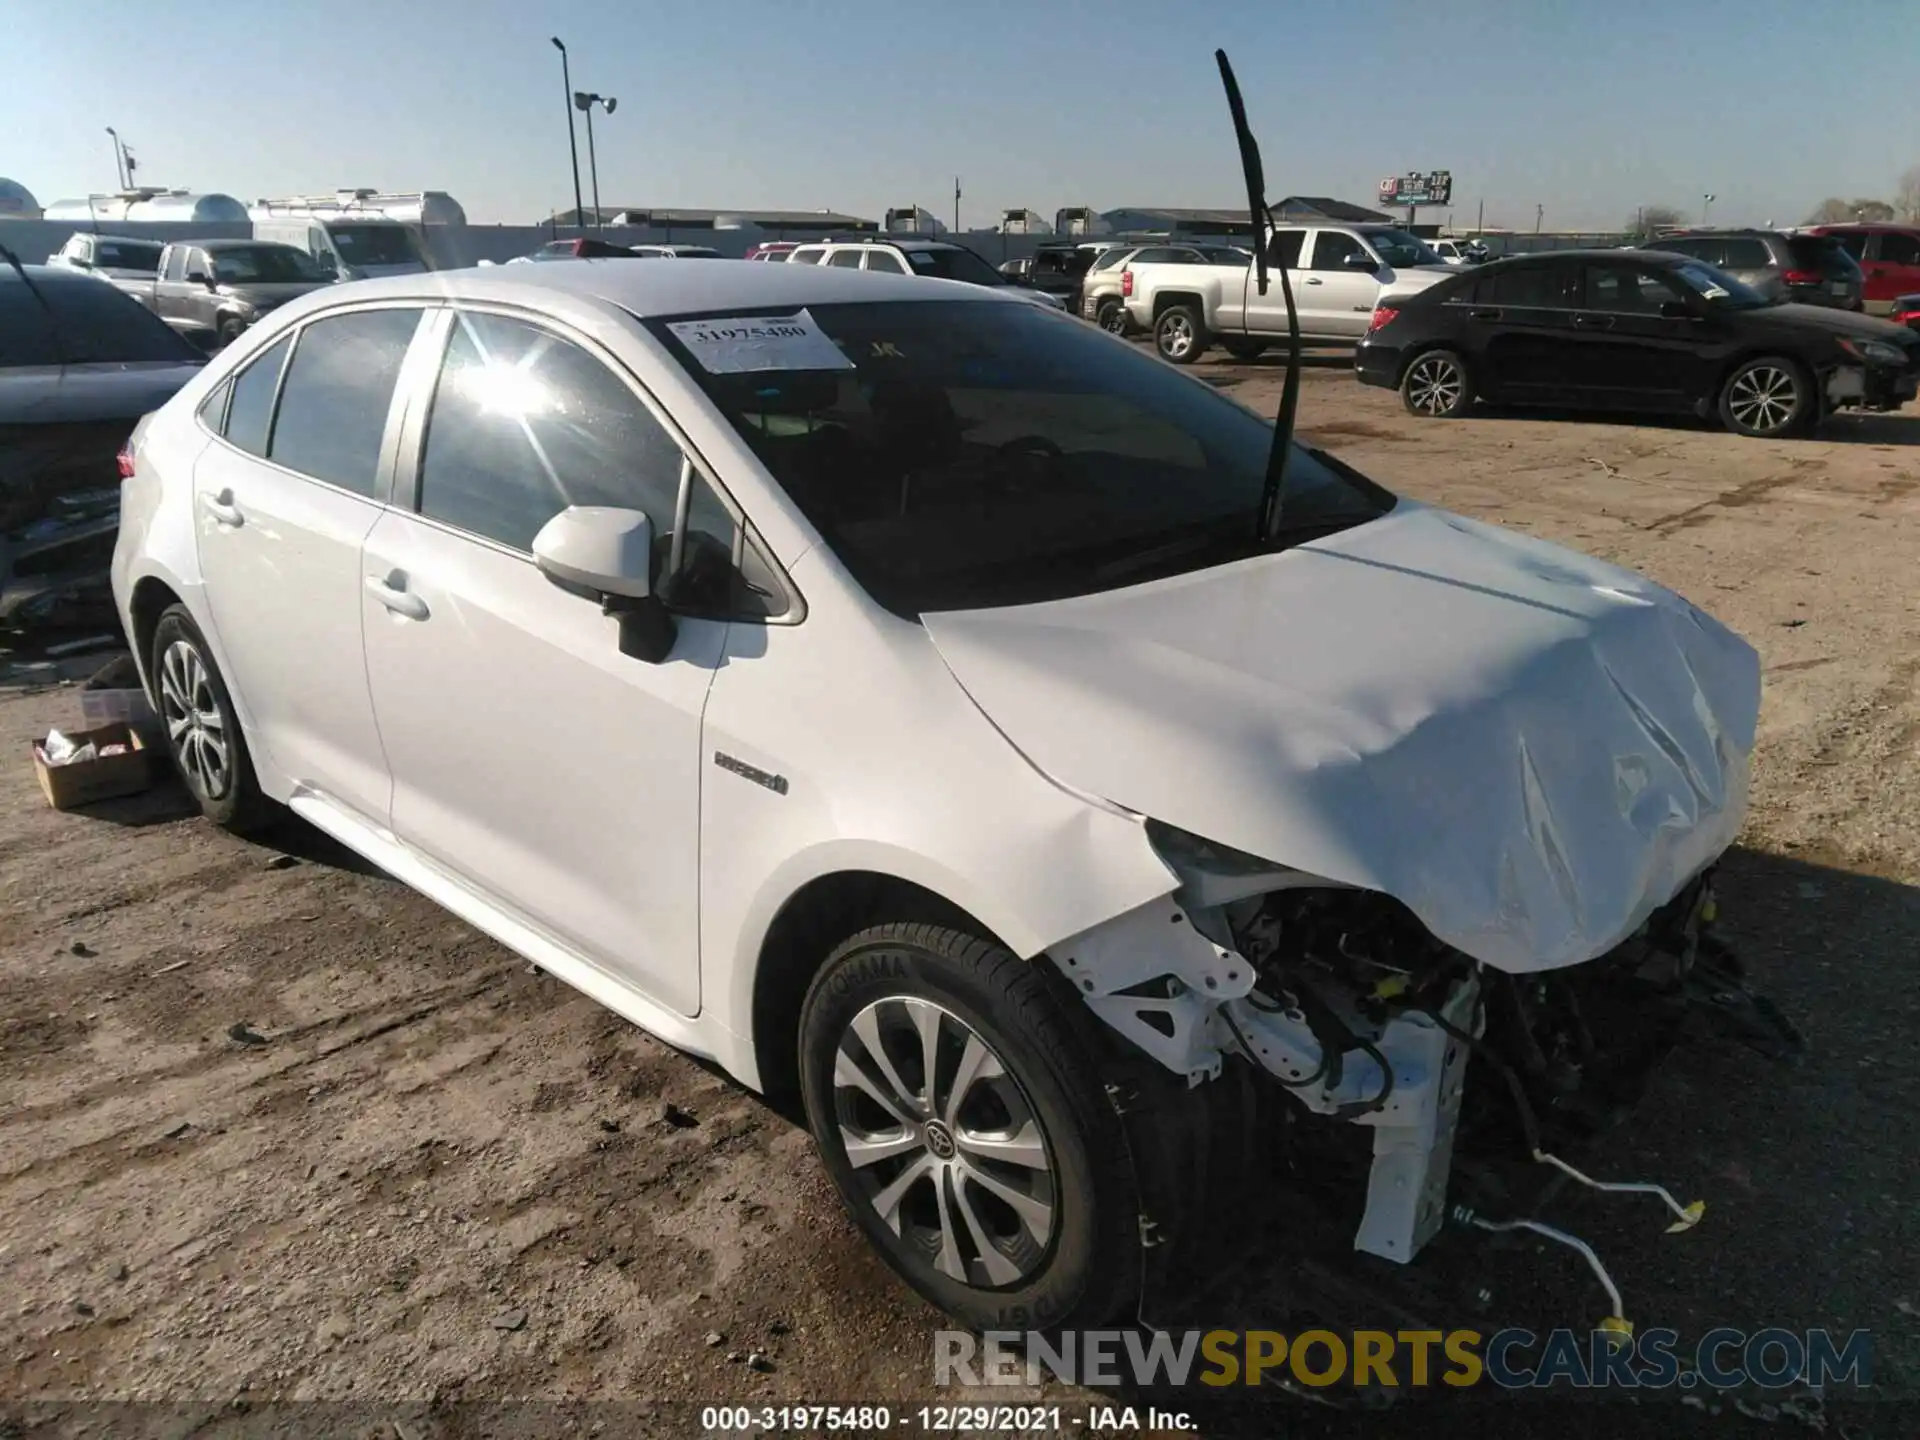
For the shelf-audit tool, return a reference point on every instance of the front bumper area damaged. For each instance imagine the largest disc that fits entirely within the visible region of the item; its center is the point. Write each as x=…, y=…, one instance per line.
x=1341, y=998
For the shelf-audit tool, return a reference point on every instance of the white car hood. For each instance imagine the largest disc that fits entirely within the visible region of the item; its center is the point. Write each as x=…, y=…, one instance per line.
x=1531, y=749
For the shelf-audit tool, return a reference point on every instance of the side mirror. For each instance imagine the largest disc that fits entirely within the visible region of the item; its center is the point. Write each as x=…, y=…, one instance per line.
x=606, y=552
x=1360, y=260
x=199, y=277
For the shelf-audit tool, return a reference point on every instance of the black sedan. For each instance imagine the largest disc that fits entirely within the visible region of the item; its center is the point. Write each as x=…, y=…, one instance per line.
x=1633, y=330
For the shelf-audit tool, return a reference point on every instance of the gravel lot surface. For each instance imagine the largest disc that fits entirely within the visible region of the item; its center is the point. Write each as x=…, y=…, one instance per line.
x=288, y=1132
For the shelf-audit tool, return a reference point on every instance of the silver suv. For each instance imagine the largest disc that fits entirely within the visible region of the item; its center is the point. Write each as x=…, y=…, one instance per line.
x=935, y=259
x=1103, y=293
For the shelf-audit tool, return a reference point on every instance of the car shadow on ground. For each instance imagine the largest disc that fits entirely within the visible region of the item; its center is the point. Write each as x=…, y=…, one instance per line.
x=1808, y=1184
x=1845, y=428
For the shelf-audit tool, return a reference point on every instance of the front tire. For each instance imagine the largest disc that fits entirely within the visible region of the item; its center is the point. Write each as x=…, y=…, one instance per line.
x=959, y=1108
x=1437, y=385
x=230, y=329
x=203, y=732
x=1770, y=398
x=1180, y=335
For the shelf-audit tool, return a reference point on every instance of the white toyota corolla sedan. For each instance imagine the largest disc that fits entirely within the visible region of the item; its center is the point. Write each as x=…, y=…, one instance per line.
x=908, y=698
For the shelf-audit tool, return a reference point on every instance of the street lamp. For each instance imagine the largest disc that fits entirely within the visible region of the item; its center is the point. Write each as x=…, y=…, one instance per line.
x=1706, y=201
x=573, y=145
x=119, y=160
x=584, y=101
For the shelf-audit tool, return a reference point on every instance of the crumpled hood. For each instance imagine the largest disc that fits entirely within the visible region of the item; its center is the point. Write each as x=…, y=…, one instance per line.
x=1532, y=749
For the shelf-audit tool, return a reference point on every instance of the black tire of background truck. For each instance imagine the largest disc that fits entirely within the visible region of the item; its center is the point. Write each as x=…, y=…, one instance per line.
x=237, y=804
x=1244, y=349
x=230, y=329
x=1111, y=316
x=1180, y=335
x=1754, y=393
x=1437, y=384
x=1088, y=1270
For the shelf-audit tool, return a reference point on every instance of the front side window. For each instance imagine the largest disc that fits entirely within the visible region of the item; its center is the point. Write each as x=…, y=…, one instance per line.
x=1331, y=249
x=973, y=455
x=1896, y=249
x=335, y=399
x=263, y=265
x=250, y=412
x=954, y=264
x=885, y=260
x=1625, y=290
x=524, y=424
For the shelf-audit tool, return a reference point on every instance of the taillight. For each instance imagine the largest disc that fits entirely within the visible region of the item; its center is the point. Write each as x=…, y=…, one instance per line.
x=1801, y=277
x=1383, y=316
x=125, y=457
x=1126, y=284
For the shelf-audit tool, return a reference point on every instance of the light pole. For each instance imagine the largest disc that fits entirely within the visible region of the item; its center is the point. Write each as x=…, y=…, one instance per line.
x=583, y=101
x=1706, y=202
x=573, y=145
x=119, y=160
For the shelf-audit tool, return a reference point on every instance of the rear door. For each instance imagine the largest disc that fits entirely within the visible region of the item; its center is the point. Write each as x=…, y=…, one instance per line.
x=1336, y=301
x=1522, y=320
x=282, y=503
x=1892, y=268
x=170, y=285
x=1626, y=354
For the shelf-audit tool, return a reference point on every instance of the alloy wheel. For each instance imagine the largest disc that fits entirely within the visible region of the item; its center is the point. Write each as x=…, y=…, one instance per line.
x=1764, y=398
x=1434, y=385
x=195, y=726
x=1176, y=335
x=1113, y=318
x=944, y=1143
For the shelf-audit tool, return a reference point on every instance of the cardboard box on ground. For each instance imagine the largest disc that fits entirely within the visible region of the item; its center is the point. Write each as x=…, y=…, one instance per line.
x=119, y=764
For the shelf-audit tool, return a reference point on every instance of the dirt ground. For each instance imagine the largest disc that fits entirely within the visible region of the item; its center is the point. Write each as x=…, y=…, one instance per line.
x=279, y=1130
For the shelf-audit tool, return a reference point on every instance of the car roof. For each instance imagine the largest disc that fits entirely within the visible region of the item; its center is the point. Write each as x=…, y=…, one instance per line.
x=697, y=287
x=1651, y=257
x=1716, y=231
x=236, y=244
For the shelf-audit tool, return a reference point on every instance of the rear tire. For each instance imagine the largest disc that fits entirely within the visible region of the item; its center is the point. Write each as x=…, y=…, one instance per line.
x=1770, y=398
x=1437, y=384
x=203, y=732
x=1003, y=1191
x=1111, y=316
x=1180, y=335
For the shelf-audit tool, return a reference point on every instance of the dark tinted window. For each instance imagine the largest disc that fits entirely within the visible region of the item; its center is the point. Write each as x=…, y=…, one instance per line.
x=993, y=454
x=1284, y=248
x=176, y=262
x=1162, y=255
x=885, y=260
x=524, y=424
x=1743, y=252
x=1853, y=242
x=845, y=259
x=1331, y=249
x=213, y=409
x=1624, y=289
x=955, y=264
x=1524, y=287
x=339, y=387
x=806, y=257
x=373, y=244
x=263, y=265
x=126, y=255
x=1056, y=262
x=90, y=323
x=252, y=407
x=1819, y=252
x=1899, y=249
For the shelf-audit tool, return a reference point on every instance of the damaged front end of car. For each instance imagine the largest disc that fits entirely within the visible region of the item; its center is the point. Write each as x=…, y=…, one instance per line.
x=1339, y=998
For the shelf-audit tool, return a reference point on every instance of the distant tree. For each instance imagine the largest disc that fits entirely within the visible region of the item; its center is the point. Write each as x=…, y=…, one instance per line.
x=1906, y=197
x=1876, y=210
x=1649, y=220
x=1830, y=211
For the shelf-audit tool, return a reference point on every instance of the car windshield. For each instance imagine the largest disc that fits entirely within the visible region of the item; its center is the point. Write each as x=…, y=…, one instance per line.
x=126, y=255
x=1399, y=249
x=91, y=324
x=954, y=264
x=263, y=264
x=1718, y=286
x=958, y=454
x=374, y=244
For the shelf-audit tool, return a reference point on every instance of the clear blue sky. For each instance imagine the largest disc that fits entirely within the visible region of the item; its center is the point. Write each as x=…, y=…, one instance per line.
x=1588, y=107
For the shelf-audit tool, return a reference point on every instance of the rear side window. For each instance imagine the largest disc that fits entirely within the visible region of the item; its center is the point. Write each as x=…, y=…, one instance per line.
x=126, y=255
x=1899, y=249
x=250, y=413
x=806, y=257
x=1854, y=243
x=1622, y=289
x=339, y=387
x=1818, y=252
x=845, y=259
x=1538, y=287
x=885, y=260
x=1745, y=252
x=1284, y=248
x=1109, y=258
x=1158, y=255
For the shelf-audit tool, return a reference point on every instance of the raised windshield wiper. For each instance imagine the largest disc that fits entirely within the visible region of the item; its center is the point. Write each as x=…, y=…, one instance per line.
x=1273, y=497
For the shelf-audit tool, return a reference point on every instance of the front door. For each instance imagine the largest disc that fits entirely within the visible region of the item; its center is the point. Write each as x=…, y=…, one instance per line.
x=1267, y=314
x=1629, y=355
x=1335, y=299
x=282, y=504
x=1892, y=268
x=530, y=757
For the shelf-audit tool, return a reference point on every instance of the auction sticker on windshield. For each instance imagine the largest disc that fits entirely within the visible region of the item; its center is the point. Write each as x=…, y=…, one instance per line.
x=740, y=345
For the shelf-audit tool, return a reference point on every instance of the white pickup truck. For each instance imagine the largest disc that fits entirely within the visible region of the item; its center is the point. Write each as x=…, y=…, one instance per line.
x=1338, y=273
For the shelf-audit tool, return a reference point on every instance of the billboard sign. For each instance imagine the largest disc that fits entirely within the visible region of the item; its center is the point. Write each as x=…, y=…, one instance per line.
x=1434, y=187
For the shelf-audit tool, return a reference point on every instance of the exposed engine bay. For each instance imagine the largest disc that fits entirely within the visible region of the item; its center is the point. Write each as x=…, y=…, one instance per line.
x=1342, y=998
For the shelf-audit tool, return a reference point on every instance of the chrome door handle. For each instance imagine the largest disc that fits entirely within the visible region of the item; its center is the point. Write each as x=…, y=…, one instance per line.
x=1312, y=280
x=401, y=602
x=223, y=510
